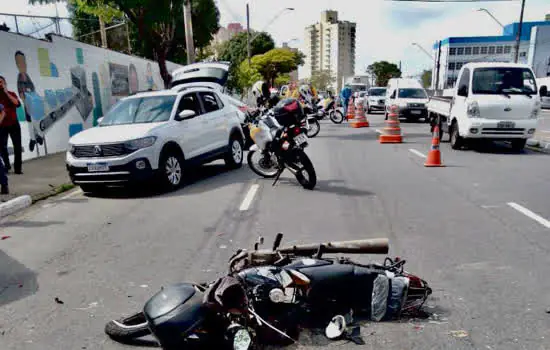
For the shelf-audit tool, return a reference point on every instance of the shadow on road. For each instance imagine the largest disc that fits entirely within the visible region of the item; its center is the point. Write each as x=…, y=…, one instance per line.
x=32, y=224
x=16, y=280
x=500, y=148
x=331, y=186
x=196, y=180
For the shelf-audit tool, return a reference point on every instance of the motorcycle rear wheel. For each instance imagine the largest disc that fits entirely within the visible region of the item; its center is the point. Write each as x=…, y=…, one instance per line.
x=306, y=176
x=336, y=116
x=255, y=159
x=128, y=328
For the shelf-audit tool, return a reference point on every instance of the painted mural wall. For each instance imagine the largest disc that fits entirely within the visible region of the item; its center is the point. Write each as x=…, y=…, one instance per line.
x=65, y=86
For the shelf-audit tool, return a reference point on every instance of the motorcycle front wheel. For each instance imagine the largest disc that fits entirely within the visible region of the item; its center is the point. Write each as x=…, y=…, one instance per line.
x=262, y=165
x=306, y=176
x=314, y=128
x=128, y=328
x=336, y=116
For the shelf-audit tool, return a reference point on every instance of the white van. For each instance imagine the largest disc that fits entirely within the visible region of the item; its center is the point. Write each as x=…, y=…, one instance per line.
x=410, y=98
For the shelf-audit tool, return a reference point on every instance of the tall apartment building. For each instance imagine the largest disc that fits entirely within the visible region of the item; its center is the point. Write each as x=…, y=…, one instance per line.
x=330, y=46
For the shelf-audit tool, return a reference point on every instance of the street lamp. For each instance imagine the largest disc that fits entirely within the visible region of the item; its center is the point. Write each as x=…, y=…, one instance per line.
x=423, y=50
x=490, y=14
x=437, y=65
x=248, y=38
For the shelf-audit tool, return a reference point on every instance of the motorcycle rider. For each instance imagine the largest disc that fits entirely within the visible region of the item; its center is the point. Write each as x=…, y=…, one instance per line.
x=261, y=93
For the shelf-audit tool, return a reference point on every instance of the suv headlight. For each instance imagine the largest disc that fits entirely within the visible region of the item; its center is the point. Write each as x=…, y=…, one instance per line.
x=144, y=142
x=473, y=110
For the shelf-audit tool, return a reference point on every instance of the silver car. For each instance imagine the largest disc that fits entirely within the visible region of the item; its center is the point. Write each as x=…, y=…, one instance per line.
x=376, y=99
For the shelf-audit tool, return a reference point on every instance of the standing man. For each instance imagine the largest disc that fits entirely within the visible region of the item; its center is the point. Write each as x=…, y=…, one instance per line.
x=9, y=127
x=3, y=172
x=345, y=95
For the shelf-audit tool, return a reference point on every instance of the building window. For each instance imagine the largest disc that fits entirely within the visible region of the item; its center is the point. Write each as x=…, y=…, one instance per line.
x=523, y=54
x=500, y=49
x=507, y=49
x=468, y=51
x=460, y=51
x=483, y=50
x=458, y=65
x=476, y=50
x=491, y=50
x=451, y=66
x=452, y=51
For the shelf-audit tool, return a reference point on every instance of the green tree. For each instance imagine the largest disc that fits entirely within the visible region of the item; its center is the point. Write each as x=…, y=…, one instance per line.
x=322, y=80
x=158, y=24
x=235, y=51
x=384, y=71
x=426, y=78
x=283, y=79
x=276, y=62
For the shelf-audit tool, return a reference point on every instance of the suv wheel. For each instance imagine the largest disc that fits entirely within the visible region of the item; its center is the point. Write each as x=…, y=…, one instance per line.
x=171, y=170
x=234, y=157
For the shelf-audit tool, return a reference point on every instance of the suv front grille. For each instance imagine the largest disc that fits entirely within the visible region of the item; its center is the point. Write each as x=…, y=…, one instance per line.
x=101, y=151
x=416, y=105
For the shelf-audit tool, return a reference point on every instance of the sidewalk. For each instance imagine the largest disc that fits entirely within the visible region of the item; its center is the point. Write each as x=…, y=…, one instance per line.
x=42, y=177
x=541, y=140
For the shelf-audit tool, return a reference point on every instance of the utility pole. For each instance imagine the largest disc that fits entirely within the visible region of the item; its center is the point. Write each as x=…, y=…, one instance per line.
x=103, y=33
x=248, y=33
x=437, y=66
x=128, y=38
x=518, y=35
x=57, y=26
x=190, y=45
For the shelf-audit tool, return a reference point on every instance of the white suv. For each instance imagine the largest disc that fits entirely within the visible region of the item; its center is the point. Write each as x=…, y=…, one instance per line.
x=157, y=134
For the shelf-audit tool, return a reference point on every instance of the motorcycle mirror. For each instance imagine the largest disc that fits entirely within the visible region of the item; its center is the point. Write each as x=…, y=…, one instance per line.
x=277, y=241
x=336, y=327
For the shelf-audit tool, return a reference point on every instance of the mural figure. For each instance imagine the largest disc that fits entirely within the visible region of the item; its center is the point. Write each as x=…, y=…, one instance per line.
x=25, y=86
x=133, y=79
x=149, y=77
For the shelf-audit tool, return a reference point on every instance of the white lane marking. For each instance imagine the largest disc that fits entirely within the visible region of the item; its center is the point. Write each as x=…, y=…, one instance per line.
x=421, y=155
x=530, y=214
x=72, y=194
x=249, y=197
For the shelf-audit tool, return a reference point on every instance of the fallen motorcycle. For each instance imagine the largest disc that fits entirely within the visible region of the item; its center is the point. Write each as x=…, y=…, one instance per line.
x=279, y=144
x=268, y=295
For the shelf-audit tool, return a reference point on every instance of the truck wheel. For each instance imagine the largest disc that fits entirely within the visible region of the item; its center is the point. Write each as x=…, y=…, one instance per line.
x=456, y=140
x=518, y=145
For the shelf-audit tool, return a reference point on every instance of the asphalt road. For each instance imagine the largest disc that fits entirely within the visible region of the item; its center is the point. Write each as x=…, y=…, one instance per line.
x=476, y=230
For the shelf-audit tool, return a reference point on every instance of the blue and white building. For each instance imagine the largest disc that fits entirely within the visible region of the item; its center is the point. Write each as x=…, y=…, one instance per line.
x=534, y=50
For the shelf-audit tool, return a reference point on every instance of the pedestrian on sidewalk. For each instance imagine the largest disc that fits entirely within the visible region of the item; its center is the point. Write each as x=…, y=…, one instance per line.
x=3, y=171
x=10, y=127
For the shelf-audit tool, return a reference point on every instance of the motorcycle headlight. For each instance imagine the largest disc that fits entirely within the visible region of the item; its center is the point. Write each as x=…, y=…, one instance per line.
x=144, y=142
x=473, y=110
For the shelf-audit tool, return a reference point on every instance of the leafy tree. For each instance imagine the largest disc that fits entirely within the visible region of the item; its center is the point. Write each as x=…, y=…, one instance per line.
x=283, y=79
x=322, y=80
x=384, y=71
x=159, y=25
x=275, y=62
x=235, y=51
x=426, y=78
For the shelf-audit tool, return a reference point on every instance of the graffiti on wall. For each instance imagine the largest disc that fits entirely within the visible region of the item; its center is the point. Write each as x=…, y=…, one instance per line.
x=66, y=86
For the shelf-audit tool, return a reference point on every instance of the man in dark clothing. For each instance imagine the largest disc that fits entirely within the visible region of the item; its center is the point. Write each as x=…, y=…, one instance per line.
x=10, y=127
x=3, y=171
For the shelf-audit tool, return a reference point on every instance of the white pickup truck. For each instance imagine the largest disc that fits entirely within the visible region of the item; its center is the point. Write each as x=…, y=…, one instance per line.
x=491, y=101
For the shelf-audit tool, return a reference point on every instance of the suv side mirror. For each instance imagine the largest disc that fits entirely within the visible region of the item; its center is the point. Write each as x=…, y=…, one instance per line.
x=186, y=114
x=543, y=92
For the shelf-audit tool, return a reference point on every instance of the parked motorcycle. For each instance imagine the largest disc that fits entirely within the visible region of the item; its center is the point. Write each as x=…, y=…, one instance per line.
x=268, y=295
x=328, y=108
x=279, y=144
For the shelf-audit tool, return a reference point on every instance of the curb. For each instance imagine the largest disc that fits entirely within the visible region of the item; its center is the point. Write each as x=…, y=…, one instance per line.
x=14, y=205
x=22, y=202
x=538, y=146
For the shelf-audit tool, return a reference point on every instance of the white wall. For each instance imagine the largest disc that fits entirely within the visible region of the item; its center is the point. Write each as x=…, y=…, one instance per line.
x=74, y=85
x=539, y=54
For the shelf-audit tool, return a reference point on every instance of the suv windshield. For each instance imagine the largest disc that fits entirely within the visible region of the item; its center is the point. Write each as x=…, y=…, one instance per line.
x=377, y=92
x=149, y=109
x=503, y=80
x=412, y=93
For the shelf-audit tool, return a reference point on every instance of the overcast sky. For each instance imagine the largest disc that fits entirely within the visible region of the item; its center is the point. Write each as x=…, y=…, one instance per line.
x=385, y=29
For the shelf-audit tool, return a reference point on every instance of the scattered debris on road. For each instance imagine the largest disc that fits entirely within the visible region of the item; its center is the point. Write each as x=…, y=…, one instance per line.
x=59, y=301
x=5, y=237
x=459, y=334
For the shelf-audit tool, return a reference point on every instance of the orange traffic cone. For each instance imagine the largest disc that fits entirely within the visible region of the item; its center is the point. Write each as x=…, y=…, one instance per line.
x=351, y=110
x=360, y=120
x=392, y=132
x=434, y=157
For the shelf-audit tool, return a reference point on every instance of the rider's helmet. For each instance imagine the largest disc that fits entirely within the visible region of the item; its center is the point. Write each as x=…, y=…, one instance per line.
x=260, y=91
x=305, y=93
